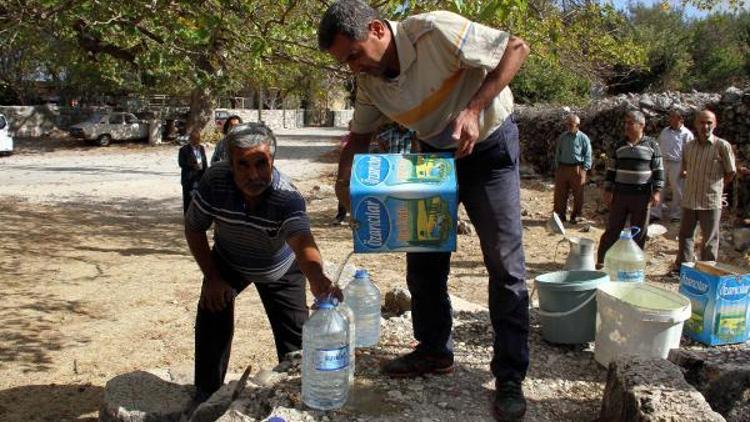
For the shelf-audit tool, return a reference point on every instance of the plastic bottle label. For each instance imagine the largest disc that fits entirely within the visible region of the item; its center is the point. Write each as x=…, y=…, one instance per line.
x=630, y=275
x=331, y=359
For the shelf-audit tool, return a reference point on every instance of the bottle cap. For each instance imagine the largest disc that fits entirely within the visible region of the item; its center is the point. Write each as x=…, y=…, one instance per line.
x=276, y=419
x=325, y=303
x=361, y=273
x=629, y=232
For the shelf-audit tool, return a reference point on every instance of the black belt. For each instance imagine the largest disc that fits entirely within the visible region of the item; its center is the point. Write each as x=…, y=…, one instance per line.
x=570, y=165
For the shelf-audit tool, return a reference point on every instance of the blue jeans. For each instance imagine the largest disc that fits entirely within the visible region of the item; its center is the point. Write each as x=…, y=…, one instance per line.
x=489, y=188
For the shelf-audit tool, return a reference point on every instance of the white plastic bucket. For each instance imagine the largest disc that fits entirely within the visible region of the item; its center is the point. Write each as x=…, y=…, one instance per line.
x=637, y=319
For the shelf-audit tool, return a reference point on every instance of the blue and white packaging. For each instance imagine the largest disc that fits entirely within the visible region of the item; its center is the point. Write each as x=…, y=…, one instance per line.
x=719, y=305
x=404, y=203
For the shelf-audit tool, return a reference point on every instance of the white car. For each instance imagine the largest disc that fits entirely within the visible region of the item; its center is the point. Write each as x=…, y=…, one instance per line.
x=6, y=141
x=103, y=128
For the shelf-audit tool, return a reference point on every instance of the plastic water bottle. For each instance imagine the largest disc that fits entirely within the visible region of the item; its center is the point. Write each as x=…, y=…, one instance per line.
x=364, y=299
x=625, y=260
x=325, y=359
x=346, y=311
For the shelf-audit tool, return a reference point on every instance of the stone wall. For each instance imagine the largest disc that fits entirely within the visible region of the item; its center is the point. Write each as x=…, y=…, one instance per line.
x=603, y=121
x=341, y=118
x=275, y=119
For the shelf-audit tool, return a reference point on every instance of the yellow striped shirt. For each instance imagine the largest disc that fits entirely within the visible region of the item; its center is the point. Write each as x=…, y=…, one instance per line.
x=706, y=164
x=444, y=58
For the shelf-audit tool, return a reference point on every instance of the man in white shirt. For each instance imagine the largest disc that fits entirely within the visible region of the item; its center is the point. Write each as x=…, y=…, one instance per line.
x=672, y=141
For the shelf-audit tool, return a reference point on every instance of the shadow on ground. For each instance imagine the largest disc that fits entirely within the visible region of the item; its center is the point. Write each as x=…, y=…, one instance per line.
x=62, y=403
x=48, y=245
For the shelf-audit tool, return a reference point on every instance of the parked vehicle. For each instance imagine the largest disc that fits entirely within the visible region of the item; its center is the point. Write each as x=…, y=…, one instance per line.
x=6, y=141
x=103, y=128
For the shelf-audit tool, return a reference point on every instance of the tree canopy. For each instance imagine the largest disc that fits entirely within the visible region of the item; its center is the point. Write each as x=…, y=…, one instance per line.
x=217, y=47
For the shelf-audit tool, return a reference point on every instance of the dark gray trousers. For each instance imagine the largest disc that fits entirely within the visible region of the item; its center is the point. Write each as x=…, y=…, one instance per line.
x=286, y=308
x=710, y=223
x=489, y=187
x=624, y=205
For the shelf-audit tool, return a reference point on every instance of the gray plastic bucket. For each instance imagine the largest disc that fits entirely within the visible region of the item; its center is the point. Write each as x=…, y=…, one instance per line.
x=567, y=305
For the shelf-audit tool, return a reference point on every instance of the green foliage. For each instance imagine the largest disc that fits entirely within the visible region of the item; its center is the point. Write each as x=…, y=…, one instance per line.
x=217, y=47
x=544, y=80
x=721, y=52
x=684, y=54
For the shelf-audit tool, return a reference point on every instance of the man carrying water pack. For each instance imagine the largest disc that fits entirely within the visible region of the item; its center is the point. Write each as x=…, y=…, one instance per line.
x=447, y=78
x=261, y=236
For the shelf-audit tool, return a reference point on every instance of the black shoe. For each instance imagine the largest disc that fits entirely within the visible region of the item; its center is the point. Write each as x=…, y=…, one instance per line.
x=418, y=363
x=510, y=405
x=340, y=218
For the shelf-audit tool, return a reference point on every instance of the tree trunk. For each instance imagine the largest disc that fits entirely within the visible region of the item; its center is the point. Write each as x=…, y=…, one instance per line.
x=202, y=106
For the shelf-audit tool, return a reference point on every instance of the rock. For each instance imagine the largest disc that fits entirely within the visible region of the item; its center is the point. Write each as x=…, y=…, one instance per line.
x=527, y=172
x=741, y=238
x=292, y=361
x=397, y=301
x=269, y=377
x=731, y=95
x=235, y=416
x=740, y=413
x=216, y=405
x=395, y=395
x=651, y=389
x=723, y=376
x=460, y=305
x=289, y=415
x=143, y=396
x=464, y=227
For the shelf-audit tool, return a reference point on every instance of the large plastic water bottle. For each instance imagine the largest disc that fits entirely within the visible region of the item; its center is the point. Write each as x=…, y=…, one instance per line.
x=625, y=260
x=364, y=299
x=325, y=359
x=348, y=314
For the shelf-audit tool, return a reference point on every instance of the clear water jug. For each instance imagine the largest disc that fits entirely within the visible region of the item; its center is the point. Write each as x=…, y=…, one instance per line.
x=363, y=297
x=346, y=311
x=625, y=260
x=325, y=359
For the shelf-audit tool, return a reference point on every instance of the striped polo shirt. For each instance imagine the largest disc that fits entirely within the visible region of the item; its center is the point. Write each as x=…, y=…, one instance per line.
x=635, y=168
x=253, y=243
x=705, y=165
x=443, y=58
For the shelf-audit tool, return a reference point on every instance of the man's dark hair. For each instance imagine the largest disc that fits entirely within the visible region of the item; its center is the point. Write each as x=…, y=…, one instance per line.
x=348, y=18
x=228, y=121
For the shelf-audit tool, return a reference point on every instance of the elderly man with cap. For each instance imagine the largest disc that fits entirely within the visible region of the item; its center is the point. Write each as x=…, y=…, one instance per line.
x=573, y=160
x=262, y=237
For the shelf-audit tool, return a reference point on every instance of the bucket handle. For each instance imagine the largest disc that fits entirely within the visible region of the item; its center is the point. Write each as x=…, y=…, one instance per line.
x=570, y=312
x=635, y=229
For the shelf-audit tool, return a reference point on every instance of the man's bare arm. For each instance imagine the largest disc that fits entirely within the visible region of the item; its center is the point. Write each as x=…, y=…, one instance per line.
x=358, y=144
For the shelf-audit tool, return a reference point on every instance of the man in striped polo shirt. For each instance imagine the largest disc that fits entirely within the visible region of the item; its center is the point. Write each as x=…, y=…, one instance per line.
x=707, y=165
x=634, y=181
x=446, y=78
x=261, y=236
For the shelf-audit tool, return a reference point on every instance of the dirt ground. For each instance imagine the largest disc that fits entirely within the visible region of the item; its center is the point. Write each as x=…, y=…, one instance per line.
x=97, y=279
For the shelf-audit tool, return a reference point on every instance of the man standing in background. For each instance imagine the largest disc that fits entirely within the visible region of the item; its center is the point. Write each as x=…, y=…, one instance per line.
x=672, y=141
x=708, y=164
x=634, y=180
x=573, y=160
x=193, y=163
